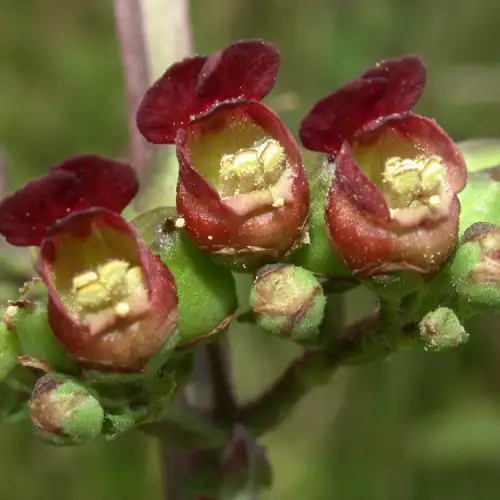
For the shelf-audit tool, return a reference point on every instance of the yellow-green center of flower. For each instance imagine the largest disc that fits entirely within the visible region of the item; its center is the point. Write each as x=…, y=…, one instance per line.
x=251, y=169
x=114, y=285
x=411, y=183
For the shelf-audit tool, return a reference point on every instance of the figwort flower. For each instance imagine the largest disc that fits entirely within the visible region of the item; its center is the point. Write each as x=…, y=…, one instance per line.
x=112, y=302
x=242, y=188
x=393, y=203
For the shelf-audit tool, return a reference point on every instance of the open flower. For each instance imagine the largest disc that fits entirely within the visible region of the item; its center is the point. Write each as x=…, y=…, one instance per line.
x=112, y=302
x=392, y=203
x=242, y=188
x=78, y=183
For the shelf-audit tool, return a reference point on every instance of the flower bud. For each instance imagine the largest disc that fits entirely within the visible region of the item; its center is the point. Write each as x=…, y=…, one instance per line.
x=206, y=291
x=112, y=302
x=288, y=301
x=442, y=328
x=9, y=349
x=64, y=411
x=475, y=268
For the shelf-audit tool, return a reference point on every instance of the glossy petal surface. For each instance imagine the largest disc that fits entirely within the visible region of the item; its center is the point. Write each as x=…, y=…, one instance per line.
x=76, y=184
x=390, y=87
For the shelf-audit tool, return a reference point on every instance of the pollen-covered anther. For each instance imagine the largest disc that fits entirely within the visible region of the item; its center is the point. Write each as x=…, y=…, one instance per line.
x=251, y=169
x=411, y=183
x=112, y=285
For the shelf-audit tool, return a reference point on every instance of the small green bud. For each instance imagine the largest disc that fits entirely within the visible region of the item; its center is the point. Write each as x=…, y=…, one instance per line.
x=64, y=411
x=206, y=291
x=475, y=268
x=9, y=348
x=288, y=301
x=442, y=328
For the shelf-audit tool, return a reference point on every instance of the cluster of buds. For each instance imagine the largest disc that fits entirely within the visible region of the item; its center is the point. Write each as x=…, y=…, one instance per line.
x=124, y=298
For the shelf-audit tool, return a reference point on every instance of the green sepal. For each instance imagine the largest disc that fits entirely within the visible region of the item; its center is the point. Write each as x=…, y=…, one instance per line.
x=318, y=254
x=9, y=350
x=206, y=291
x=37, y=340
x=441, y=328
x=163, y=355
x=480, y=200
x=480, y=154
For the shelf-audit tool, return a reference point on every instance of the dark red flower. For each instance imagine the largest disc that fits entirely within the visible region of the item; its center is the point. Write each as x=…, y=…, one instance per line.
x=242, y=71
x=112, y=302
x=242, y=188
x=391, y=87
x=76, y=184
x=393, y=201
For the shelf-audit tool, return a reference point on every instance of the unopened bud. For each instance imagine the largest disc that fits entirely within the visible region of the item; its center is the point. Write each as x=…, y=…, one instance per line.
x=475, y=268
x=442, y=328
x=9, y=349
x=64, y=411
x=288, y=301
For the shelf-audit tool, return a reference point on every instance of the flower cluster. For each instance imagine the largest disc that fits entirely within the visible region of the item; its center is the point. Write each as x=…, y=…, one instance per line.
x=123, y=295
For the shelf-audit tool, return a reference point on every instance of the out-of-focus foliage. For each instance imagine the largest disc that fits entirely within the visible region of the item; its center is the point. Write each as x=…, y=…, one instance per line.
x=418, y=426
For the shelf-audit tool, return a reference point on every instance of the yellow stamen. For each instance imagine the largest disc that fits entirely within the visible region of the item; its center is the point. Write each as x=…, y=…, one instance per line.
x=113, y=285
x=252, y=168
x=83, y=280
x=409, y=183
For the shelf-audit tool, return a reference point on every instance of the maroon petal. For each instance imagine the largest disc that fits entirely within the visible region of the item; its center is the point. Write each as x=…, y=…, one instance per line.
x=371, y=246
x=237, y=223
x=340, y=115
x=76, y=184
x=356, y=185
x=93, y=237
x=357, y=215
x=106, y=183
x=26, y=214
x=171, y=101
x=407, y=78
x=243, y=70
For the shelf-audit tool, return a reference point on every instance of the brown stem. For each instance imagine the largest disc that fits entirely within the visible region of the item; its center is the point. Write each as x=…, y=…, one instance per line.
x=311, y=369
x=128, y=16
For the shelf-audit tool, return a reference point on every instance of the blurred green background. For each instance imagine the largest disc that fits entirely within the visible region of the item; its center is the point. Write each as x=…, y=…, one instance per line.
x=417, y=426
